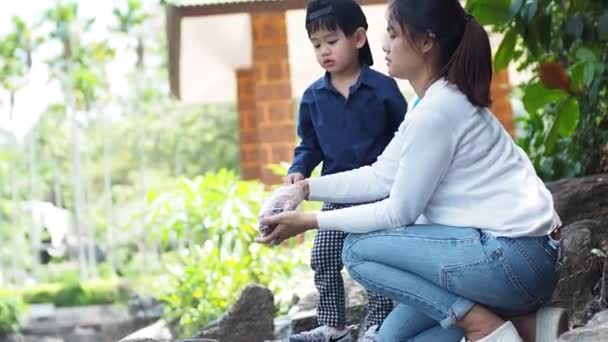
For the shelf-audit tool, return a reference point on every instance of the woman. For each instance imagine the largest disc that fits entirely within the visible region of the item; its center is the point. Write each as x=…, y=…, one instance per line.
x=486, y=251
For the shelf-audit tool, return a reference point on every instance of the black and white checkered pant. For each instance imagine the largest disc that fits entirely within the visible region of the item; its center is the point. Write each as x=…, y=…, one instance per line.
x=326, y=262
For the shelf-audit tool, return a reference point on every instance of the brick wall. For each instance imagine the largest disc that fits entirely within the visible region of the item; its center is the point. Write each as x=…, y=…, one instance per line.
x=501, y=106
x=273, y=101
x=248, y=132
x=267, y=131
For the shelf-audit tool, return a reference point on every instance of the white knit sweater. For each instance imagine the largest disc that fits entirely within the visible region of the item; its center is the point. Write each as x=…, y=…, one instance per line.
x=449, y=161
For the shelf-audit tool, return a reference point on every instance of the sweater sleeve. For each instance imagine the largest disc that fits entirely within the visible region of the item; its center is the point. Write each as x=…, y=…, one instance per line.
x=365, y=184
x=426, y=148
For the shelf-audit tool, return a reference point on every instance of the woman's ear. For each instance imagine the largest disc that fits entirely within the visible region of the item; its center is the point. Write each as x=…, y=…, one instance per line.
x=360, y=37
x=427, y=43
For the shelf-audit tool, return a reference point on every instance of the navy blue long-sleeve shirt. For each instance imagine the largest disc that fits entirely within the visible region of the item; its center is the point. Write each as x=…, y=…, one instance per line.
x=346, y=134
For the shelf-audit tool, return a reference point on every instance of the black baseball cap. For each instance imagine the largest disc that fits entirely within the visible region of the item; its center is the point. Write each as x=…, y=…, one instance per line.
x=349, y=17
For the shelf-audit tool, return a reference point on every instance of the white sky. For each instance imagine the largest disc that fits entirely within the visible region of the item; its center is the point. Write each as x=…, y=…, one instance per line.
x=33, y=99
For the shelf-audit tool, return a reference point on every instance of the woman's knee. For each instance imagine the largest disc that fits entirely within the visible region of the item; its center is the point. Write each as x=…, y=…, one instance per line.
x=405, y=323
x=349, y=250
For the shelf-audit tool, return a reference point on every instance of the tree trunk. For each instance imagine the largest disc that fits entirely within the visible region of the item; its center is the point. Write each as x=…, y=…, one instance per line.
x=77, y=186
x=15, y=216
x=35, y=227
x=143, y=189
x=88, y=225
x=140, y=67
x=57, y=199
x=15, y=223
x=107, y=193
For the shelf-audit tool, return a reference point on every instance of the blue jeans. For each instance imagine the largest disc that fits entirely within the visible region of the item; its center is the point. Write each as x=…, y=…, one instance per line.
x=437, y=273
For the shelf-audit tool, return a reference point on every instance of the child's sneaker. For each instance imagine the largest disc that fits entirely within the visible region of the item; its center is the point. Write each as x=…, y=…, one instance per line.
x=323, y=333
x=371, y=335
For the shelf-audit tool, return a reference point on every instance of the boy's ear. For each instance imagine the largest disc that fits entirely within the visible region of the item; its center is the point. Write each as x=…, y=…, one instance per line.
x=360, y=37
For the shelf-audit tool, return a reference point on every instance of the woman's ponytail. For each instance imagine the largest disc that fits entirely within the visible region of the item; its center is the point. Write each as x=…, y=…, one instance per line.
x=470, y=67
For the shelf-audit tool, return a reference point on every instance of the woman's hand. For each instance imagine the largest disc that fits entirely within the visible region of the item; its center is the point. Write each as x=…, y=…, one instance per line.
x=286, y=198
x=287, y=225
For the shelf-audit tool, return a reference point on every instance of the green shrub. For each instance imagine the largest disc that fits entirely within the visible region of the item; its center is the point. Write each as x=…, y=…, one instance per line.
x=107, y=292
x=42, y=293
x=10, y=309
x=208, y=226
x=77, y=294
x=72, y=294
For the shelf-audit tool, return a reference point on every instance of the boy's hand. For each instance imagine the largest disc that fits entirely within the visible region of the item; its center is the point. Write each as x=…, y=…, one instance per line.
x=293, y=178
x=286, y=198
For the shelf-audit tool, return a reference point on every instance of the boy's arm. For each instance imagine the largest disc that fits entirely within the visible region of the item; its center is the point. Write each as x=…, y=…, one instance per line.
x=396, y=106
x=307, y=154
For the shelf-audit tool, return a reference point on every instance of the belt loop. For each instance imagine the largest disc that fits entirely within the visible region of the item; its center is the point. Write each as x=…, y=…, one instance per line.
x=483, y=236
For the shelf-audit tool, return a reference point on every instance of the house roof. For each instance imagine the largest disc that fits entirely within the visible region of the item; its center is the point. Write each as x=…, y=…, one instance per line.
x=187, y=8
x=176, y=10
x=198, y=8
x=186, y=3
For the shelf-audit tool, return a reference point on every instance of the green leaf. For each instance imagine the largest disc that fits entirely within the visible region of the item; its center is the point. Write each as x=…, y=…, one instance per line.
x=576, y=72
x=504, y=54
x=151, y=195
x=564, y=124
x=530, y=10
x=602, y=27
x=516, y=7
x=568, y=116
x=588, y=73
x=586, y=55
x=536, y=97
x=587, y=59
x=490, y=12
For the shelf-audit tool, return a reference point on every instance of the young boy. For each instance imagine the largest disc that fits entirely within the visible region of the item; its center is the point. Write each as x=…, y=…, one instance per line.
x=347, y=117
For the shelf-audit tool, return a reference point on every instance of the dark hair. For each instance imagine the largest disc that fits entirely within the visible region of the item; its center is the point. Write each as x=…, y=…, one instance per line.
x=332, y=15
x=327, y=22
x=465, y=56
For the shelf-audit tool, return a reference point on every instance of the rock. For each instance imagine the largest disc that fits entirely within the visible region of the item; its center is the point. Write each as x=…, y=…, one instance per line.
x=604, y=158
x=303, y=314
x=282, y=327
x=303, y=321
x=595, y=331
x=582, y=204
x=598, y=319
x=85, y=334
x=145, y=307
x=25, y=338
x=581, y=198
x=97, y=323
x=577, y=289
x=249, y=320
x=179, y=340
